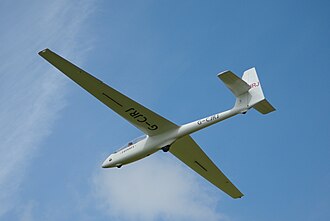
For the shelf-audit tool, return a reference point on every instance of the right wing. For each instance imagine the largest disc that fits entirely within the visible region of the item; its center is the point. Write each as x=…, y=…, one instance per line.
x=188, y=151
x=141, y=117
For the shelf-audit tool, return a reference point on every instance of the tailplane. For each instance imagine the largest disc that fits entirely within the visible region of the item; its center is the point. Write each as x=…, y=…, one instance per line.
x=248, y=91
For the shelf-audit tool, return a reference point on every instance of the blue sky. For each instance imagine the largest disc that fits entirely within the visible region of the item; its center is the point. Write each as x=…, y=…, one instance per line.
x=165, y=55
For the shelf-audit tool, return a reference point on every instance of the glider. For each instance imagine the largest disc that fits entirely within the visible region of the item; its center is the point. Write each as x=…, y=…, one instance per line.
x=162, y=134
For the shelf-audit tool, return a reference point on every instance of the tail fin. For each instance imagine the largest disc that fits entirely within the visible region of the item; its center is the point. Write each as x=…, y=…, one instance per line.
x=247, y=90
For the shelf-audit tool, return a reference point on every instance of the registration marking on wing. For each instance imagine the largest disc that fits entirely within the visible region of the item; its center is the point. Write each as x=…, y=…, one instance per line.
x=140, y=118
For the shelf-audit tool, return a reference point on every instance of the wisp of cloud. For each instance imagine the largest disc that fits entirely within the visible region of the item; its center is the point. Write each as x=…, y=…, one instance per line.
x=27, y=88
x=155, y=188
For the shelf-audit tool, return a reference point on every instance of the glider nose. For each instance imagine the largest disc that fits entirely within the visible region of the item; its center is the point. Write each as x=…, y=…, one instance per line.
x=107, y=162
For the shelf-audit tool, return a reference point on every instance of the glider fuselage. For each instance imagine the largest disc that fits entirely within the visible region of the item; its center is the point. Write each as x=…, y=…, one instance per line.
x=134, y=151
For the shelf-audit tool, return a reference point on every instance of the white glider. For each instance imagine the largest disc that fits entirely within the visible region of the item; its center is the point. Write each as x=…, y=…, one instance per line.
x=162, y=134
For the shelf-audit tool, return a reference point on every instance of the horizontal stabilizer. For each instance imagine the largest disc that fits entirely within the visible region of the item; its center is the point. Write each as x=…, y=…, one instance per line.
x=234, y=83
x=264, y=107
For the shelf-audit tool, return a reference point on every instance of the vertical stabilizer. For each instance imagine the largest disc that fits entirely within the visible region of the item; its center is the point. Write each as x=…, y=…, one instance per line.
x=251, y=78
x=257, y=100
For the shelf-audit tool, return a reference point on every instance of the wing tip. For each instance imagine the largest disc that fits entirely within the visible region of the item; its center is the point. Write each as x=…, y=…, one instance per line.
x=238, y=197
x=43, y=51
x=223, y=74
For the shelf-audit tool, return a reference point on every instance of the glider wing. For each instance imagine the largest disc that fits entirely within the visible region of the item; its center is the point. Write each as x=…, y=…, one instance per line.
x=141, y=117
x=188, y=151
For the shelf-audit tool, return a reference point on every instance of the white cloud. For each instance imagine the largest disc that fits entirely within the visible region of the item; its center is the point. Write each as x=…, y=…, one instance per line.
x=30, y=96
x=27, y=214
x=157, y=187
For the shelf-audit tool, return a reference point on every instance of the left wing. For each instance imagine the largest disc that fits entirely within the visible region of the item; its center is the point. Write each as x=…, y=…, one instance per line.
x=188, y=151
x=141, y=117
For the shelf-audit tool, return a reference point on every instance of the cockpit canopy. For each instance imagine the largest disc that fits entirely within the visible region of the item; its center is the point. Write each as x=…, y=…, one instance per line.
x=136, y=140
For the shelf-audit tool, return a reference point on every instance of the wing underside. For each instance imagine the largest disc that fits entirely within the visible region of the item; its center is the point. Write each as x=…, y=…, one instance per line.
x=189, y=152
x=141, y=117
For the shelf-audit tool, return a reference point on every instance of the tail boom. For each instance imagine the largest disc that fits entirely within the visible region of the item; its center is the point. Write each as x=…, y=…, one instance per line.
x=248, y=93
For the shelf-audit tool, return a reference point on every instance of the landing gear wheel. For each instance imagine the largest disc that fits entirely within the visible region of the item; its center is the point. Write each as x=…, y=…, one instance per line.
x=166, y=148
x=118, y=166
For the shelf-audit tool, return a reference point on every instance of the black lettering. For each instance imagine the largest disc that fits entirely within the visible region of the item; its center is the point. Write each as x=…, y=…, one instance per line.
x=138, y=116
x=129, y=109
x=142, y=117
x=153, y=127
x=134, y=114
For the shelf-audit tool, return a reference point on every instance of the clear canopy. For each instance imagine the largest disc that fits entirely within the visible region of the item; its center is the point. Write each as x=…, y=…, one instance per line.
x=131, y=143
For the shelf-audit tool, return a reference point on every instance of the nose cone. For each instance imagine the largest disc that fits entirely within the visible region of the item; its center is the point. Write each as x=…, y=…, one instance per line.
x=108, y=162
x=105, y=164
